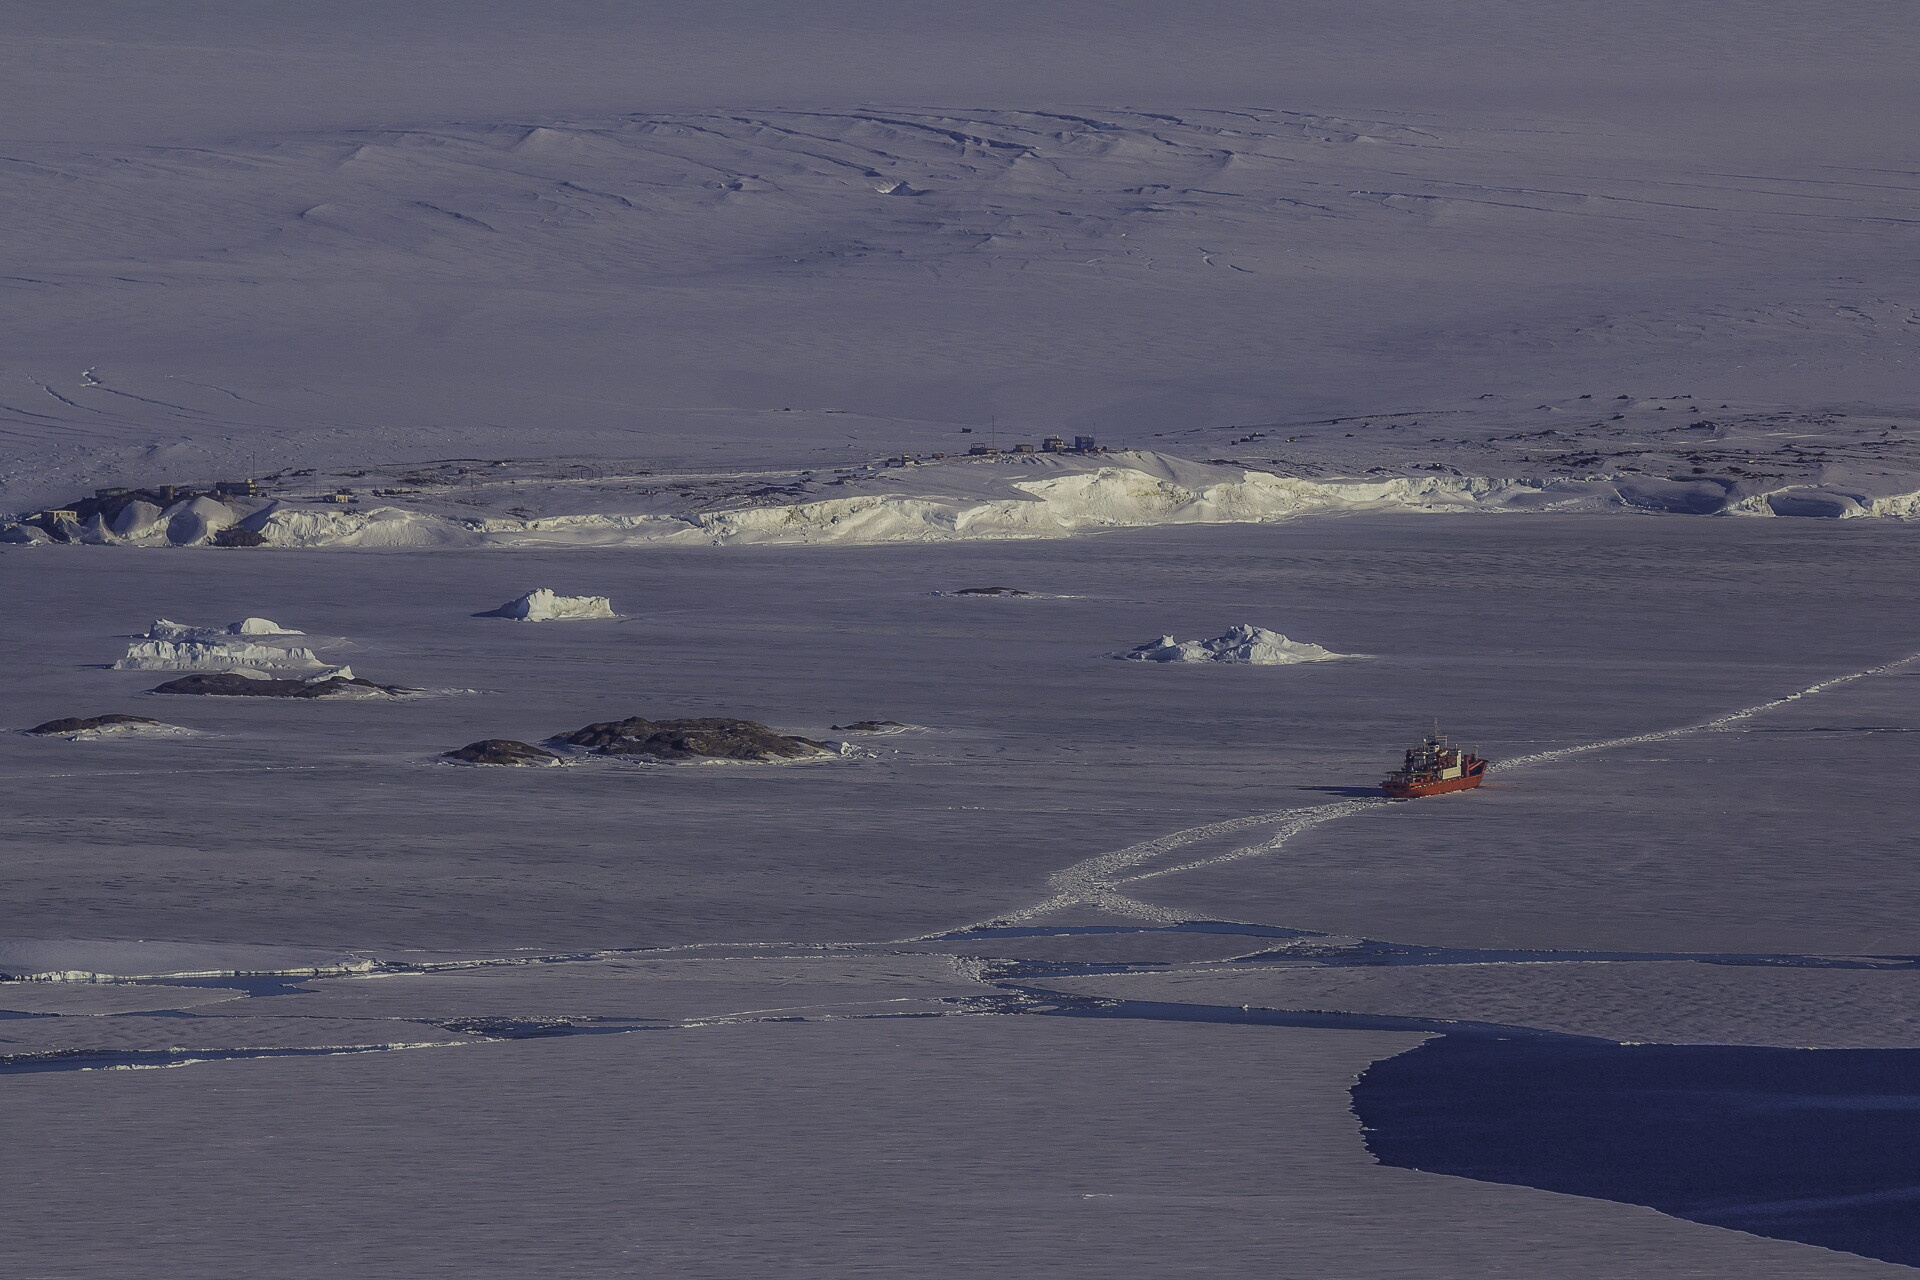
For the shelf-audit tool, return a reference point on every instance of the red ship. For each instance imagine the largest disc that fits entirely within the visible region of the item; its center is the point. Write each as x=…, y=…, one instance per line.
x=1434, y=767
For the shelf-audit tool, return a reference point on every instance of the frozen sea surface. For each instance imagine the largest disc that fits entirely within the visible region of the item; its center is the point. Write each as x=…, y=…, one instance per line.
x=330, y=824
x=628, y=1006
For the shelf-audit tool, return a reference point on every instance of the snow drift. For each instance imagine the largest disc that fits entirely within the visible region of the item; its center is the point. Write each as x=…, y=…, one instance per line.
x=1256, y=646
x=542, y=605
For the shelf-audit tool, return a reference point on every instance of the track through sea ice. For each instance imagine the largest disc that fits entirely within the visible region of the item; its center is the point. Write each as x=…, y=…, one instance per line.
x=1096, y=883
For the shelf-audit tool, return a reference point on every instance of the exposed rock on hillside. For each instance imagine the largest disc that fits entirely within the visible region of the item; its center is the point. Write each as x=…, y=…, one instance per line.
x=701, y=738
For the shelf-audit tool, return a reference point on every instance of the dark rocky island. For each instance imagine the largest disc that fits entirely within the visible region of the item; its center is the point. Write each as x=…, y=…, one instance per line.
x=81, y=724
x=502, y=751
x=225, y=684
x=870, y=726
x=992, y=591
x=700, y=738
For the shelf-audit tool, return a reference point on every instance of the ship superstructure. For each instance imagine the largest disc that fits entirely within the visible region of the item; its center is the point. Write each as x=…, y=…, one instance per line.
x=1433, y=767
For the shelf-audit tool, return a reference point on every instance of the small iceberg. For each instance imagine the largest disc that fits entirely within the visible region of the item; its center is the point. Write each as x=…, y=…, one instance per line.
x=543, y=605
x=250, y=642
x=1256, y=646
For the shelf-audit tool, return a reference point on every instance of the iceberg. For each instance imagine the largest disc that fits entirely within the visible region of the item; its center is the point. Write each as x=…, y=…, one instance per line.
x=1245, y=644
x=250, y=642
x=542, y=605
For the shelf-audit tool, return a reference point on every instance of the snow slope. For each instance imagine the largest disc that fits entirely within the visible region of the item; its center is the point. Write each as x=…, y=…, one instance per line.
x=754, y=289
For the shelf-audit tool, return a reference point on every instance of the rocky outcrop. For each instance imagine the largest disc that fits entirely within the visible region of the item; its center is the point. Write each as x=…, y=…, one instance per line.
x=502, y=751
x=700, y=738
x=870, y=726
x=229, y=684
x=85, y=724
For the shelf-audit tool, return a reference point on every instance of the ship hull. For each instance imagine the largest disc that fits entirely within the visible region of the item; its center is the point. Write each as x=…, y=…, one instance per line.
x=1412, y=791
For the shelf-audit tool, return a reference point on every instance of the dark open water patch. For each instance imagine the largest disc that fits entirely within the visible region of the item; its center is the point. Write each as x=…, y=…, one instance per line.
x=1816, y=1145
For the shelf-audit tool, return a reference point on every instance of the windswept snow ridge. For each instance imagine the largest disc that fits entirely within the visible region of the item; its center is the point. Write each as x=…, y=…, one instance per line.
x=1245, y=644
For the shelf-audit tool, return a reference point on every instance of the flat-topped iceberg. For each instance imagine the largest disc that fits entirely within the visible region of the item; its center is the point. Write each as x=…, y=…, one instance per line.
x=1242, y=644
x=542, y=605
x=250, y=642
x=195, y=655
